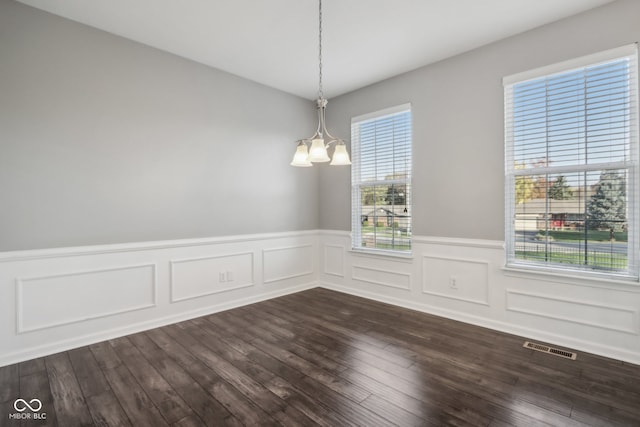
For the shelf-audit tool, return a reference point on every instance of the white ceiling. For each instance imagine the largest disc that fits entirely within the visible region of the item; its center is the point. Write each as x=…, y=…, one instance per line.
x=275, y=42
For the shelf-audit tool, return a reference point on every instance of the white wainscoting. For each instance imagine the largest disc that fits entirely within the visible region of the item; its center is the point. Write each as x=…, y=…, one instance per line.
x=53, y=300
x=456, y=278
x=334, y=260
x=289, y=262
x=57, y=299
x=381, y=276
x=587, y=315
x=602, y=316
x=88, y=295
x=200, y=276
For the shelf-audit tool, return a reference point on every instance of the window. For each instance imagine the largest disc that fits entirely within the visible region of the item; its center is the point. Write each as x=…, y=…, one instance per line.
x=381, y=180
x=571, y=159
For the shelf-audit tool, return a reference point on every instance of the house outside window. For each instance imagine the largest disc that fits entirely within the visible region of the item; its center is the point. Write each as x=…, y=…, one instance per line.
x=571, y=166
x=381, y=180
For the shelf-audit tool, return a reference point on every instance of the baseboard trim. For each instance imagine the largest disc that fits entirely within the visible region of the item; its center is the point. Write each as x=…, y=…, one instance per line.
x=492, y=324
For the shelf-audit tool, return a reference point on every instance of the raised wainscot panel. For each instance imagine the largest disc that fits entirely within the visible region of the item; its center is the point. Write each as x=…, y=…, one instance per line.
x=456, y=278
x=197, y=277
x=334, y=260
x=286, y=263
x=383, y=277
x=594, y=314
x=54, y=300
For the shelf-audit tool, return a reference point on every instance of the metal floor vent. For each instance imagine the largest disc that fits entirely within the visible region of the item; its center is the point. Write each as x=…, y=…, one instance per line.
x=555, y=351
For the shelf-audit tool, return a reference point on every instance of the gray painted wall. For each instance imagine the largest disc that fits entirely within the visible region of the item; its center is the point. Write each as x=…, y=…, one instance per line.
x=458, y=122
x=103, y=140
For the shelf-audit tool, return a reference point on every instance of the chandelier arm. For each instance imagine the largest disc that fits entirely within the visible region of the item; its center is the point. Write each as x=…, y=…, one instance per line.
x=320, y=129
x=322, y=104
x=324, y=131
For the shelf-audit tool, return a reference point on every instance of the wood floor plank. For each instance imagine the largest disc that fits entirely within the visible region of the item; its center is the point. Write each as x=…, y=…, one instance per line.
x=36, y=385
x=275, y=348
x=258, y=375
x=468, y=371
x=420, y=404
x=68, y=400
x=254, y=391
x=210, y=411
x=289, y=339
x=437, y=330
x=598, y=414
x=106, y=410
x=105, y=355
x=330, y=380
x=352, y=411
x=469, y=366
x=9, y=392
x=286, y=382
x=330, y=346
x=238, y=405
x=522, y=417
x=102, y=403
x=10, y=380
x=541, y=399
x=201, y=330
x=320, y=357
x=502, y=403
x=320, y=414
x=436, y=395
x=350, y=338
x=135, y=402
x=32, y=366
x=171, y=405
x=393, y=413
x=189, y=421
x=137, y=405
x=88, y=373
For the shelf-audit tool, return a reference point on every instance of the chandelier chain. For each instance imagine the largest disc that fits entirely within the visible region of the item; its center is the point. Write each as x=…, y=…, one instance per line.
x=320, y=94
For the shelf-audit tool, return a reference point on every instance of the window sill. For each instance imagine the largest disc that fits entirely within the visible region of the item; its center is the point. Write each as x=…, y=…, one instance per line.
x=572, y=277
x=382, y=254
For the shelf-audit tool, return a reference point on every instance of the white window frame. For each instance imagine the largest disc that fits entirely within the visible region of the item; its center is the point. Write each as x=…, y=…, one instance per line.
x=356, y=200
x=633, y=186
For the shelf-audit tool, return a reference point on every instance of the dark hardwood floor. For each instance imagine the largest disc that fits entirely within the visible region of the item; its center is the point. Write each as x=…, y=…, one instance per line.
x=321, y=358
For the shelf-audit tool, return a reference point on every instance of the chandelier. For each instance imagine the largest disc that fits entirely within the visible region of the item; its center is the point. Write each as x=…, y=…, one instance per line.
x=314, y=149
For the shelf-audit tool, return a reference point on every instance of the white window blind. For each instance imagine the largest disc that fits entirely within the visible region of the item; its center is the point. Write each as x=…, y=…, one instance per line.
x=381, y=180
x=571, y=159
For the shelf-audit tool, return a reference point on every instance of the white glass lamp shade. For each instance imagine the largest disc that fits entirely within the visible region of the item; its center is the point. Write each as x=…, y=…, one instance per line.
x=340, y=156
x=301, y=157
x=318, y=151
